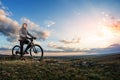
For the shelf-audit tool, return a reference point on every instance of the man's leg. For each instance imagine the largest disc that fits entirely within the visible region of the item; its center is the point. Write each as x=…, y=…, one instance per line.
x=21, y=48
x=28, y=46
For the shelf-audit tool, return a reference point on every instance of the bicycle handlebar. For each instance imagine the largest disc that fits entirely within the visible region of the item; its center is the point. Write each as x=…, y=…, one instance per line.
x=31, y=38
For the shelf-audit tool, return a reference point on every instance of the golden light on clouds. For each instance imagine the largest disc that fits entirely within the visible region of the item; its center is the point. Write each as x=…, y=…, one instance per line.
x=95, y=31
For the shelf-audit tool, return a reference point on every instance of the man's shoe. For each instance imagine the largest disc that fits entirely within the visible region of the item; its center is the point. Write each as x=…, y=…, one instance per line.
x=26, y=52
x=21, y=58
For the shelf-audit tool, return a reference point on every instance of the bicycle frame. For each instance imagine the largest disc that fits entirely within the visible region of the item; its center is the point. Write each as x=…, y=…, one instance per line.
x=31, y=43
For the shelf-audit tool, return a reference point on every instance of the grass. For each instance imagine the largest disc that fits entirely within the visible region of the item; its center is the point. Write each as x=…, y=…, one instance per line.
x=105, y=67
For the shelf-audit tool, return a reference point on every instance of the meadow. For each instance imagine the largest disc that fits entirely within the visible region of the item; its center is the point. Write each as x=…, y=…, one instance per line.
x=89, y=67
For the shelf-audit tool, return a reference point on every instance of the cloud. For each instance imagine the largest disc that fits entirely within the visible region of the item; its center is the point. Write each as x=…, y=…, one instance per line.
x=36, y=30
x=8, y=26
x=2, y=12
x=70, y=41
x=114, y=48
x=49, y=23
x=66, y=46
x=61, y=47
x=2, y=6
x=115, y=26
x=8, y=13
x=112, y=22
x=52, y=45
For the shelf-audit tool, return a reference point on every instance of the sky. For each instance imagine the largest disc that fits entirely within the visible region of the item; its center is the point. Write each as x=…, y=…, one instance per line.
x=63, y=25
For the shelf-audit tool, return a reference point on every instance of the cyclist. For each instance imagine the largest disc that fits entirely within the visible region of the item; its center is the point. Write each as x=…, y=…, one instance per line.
x=24, y=35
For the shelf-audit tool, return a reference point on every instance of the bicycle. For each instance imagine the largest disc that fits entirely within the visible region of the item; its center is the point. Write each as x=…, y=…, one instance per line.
x=35, y=51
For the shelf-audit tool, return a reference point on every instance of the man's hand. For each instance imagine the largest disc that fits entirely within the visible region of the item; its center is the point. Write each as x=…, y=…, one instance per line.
x=27, y=37
x=34, y=37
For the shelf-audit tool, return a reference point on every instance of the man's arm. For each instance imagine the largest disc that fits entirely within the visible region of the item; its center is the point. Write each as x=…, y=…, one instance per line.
x=29, y=34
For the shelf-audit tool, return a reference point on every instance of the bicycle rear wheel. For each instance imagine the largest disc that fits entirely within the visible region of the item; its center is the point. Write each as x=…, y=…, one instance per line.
x=16, y=50
x=36, y=52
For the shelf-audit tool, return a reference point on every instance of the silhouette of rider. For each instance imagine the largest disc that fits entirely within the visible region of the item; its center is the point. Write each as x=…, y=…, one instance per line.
x=24, y=36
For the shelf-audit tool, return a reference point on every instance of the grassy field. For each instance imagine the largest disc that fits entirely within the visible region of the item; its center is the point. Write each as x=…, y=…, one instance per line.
x=102, y=67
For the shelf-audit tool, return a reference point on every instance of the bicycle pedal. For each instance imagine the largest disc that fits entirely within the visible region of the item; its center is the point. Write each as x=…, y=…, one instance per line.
x=17, y=52
x=35, y=51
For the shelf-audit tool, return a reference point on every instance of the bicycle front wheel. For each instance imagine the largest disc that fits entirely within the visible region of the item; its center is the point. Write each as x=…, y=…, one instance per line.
x=36, y=52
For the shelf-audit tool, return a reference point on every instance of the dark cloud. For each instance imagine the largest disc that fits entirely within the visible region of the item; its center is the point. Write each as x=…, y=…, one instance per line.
x=114, y=48
x=8, y=27
x=2, y=48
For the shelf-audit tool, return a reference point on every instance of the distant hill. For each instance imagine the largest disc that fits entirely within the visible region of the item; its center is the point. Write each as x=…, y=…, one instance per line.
x=4, y=49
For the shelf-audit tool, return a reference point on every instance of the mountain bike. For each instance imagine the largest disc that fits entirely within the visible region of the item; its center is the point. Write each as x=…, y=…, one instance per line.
x=35, y=51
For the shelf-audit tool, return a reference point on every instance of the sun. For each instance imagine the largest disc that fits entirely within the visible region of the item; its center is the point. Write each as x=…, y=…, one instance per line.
x=102, y=37
x=106, y=32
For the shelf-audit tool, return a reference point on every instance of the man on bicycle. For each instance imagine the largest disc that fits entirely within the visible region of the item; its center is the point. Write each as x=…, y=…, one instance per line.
x=23, y=33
